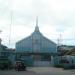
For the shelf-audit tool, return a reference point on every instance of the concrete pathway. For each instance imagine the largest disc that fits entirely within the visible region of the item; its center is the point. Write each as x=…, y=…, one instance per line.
x=40, y=71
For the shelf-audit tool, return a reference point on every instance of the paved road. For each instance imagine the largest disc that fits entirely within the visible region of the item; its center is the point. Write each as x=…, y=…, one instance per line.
x=40, y=71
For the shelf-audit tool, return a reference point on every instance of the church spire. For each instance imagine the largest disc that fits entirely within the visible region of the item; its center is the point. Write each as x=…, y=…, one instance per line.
x=37, y=21
x=37, y=28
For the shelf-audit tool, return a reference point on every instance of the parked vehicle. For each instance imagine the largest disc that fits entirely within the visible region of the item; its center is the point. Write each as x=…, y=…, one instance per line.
x=20, y=66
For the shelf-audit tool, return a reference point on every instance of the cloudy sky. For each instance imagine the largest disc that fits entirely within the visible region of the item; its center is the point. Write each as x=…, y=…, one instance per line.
x=55, y=17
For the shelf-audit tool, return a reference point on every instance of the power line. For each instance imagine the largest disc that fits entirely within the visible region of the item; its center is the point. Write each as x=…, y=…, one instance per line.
x=64, y=39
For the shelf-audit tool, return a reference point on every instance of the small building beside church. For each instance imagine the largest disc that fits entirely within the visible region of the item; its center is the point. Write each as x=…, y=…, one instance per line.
x=36, y=49
x=7, y=56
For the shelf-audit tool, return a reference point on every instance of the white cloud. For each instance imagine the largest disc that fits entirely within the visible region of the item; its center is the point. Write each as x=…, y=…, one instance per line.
x=55, y=17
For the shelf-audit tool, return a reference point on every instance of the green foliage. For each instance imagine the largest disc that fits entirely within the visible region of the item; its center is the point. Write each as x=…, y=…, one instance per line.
x=1, y=49
x=59, y=66
x=5, y=64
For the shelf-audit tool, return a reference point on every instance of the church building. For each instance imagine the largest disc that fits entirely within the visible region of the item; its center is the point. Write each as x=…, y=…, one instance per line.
x=36, y=49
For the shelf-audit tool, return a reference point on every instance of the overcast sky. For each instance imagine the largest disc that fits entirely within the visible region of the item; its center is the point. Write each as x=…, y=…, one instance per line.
x=54, y=17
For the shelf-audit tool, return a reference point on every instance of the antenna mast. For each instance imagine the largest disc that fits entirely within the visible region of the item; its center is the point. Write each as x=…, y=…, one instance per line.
x=11, y=17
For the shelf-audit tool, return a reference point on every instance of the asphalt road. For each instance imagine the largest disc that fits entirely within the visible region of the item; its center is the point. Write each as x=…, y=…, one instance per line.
x=39, y=71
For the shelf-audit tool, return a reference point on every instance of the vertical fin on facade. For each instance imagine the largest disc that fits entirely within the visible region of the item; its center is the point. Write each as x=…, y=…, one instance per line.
x=37, y=28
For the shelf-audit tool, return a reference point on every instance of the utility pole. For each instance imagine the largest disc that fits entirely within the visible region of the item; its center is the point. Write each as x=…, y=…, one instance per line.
x=10, y=28
x=59, y=47
x=11, y=22
x=60, y=40
x=0, y=38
